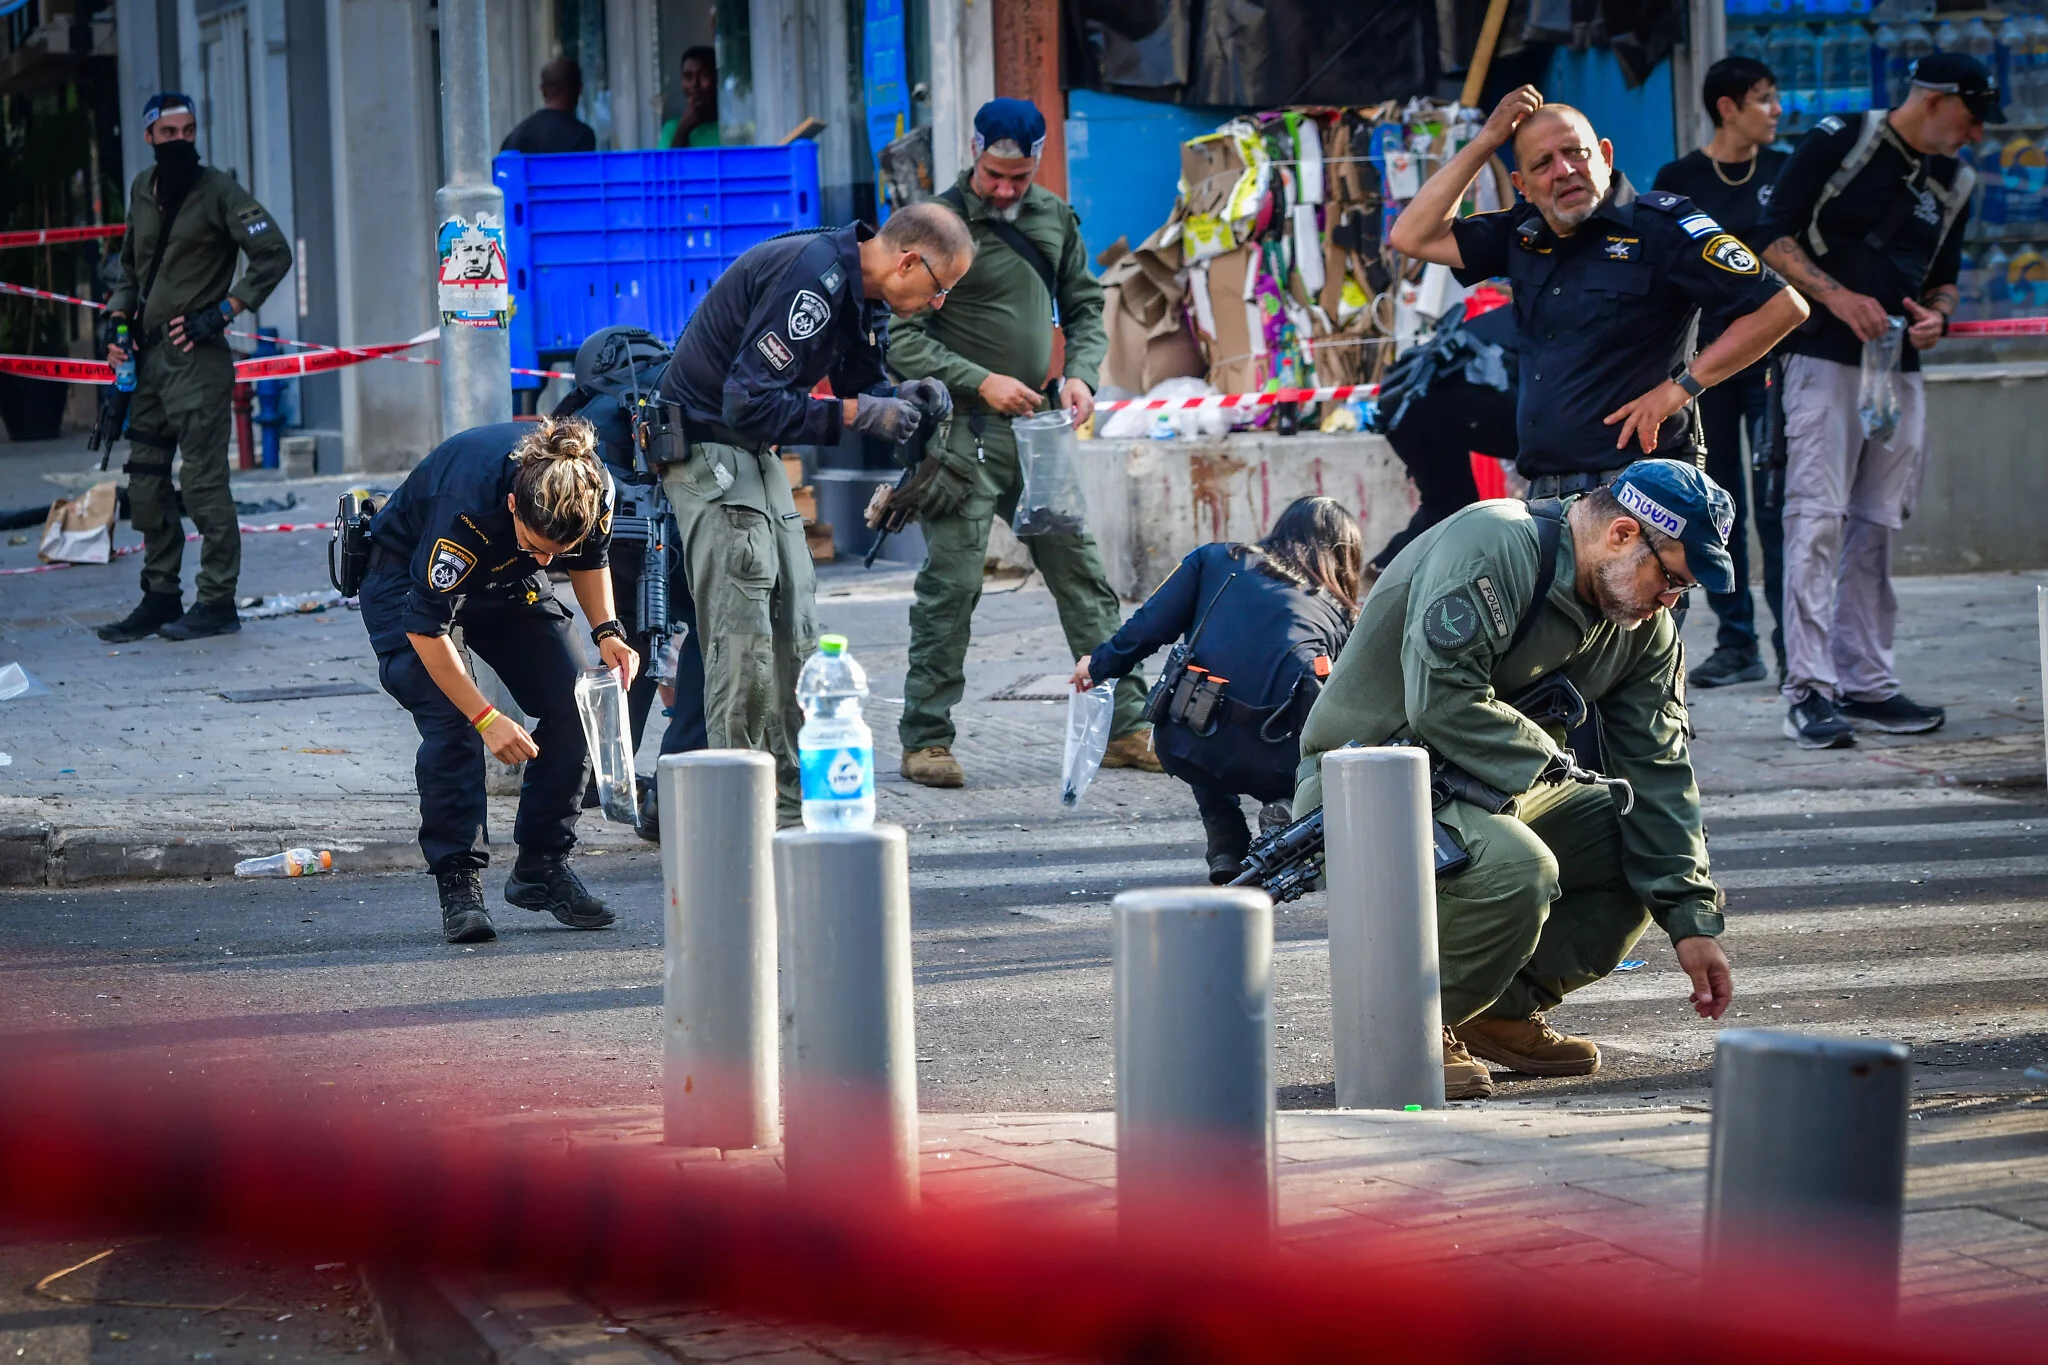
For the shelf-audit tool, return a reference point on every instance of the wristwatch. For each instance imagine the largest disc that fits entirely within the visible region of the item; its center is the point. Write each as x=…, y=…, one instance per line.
x=604, y=629
x=1692, y=386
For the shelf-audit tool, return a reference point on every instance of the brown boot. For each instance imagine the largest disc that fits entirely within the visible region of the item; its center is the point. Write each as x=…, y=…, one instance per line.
x=1530, y=1046
x=1464, y=1078
x=933, y=767
x=1133, y=750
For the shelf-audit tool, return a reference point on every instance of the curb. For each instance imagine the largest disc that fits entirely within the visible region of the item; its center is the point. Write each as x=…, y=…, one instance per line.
x=35, y=854
x=433, y=1319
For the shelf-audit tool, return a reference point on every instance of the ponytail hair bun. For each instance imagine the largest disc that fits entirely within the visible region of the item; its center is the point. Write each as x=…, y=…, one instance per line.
x=560, y=489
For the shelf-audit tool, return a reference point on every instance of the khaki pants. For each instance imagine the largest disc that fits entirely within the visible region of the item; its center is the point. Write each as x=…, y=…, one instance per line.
x=1845, y=499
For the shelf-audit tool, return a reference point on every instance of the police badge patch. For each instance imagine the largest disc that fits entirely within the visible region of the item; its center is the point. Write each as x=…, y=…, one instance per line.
x=448, y=565
x=1451, y=622
x=1730, y=254
x=808, y=315
x=772, y=346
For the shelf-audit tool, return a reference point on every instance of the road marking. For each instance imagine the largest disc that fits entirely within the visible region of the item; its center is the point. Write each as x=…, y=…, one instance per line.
x=1961, y=868
x=1793, y=836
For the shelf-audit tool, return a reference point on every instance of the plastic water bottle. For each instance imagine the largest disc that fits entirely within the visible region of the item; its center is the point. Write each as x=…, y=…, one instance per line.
x=124, y=373
x=1794, y=53
x=1997, y=293
x=1881, y=44
x=1970, y=285
x=1914, y=43
x=293, y=862
x=835, y=749
x=1980, y=42
x=1990, y=208
x=1845, y=69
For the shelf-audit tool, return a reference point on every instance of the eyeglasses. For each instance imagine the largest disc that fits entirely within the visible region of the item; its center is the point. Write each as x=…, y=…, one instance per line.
x=939, y=291
x=1672, y=582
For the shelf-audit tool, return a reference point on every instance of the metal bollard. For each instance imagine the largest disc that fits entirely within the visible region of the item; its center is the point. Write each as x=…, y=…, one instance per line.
x=720, y=1071
x=1808, y=1154
x=844, y=896
x=2041, y=609
x=1384, y=976
x=1194, y=1061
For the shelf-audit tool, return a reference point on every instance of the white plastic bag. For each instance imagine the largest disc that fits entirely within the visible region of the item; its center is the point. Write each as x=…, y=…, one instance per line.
x=601, y=702
x=1877, y=387
x=1088, y=717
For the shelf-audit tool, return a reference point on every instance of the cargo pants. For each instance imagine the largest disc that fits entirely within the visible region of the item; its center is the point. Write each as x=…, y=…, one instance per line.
x=184, y=403
x=949, y=587
x=750, y=573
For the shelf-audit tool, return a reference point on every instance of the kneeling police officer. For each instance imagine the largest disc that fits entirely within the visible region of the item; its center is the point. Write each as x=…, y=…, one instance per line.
x=466, y=541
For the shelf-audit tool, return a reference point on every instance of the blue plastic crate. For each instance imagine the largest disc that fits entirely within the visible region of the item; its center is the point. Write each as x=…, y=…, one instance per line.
x=598, y=239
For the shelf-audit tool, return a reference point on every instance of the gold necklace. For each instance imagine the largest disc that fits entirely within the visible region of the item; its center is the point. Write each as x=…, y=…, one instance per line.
x=1751, y=175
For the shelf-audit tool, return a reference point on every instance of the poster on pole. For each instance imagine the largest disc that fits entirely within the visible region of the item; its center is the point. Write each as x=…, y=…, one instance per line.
x=475, y=286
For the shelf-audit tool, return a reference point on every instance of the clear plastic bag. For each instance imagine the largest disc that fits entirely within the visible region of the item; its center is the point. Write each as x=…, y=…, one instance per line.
x=1877, y=388
x=1050, y=454
x=601, y=702
x=1088, y=716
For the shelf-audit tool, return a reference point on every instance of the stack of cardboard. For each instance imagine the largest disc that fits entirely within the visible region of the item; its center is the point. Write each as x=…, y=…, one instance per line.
x=817, y=534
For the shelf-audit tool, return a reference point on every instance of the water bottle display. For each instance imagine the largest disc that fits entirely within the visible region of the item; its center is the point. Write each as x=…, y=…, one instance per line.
x=1845, y=69
x=1794, y=53
x=1914, y=43
x=835, y=749
x=293, y=862
x=1996, y=293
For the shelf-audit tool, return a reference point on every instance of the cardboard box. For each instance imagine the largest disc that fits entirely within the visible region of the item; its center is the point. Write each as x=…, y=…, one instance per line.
x=806, y=503
x=793, y=470
x=818, y=535
x=1232, y=368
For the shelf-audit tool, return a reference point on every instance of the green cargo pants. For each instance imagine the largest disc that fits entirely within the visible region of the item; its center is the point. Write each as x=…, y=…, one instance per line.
x=184, y=403
x=949, y=587
x=1543, y=909
x=749, y=570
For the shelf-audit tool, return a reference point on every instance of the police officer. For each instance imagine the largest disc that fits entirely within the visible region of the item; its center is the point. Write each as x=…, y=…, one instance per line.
x=1261, y=625
x=1608, y=286
x=466, y=541
x=187, y=224
x=1561, y=881
x=792, y=311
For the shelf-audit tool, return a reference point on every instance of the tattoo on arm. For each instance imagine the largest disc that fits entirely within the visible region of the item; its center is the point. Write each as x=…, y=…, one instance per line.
x=1789, y=259
x=1942, y=299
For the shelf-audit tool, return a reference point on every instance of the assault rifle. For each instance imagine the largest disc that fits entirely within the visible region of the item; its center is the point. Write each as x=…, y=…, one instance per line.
x=1288, y=863
x=651, y=524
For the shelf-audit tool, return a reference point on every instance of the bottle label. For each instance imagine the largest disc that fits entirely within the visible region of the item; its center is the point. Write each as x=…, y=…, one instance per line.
x=841, y=774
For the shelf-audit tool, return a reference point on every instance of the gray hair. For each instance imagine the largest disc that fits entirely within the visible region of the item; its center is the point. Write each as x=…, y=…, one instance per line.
x=931, y=230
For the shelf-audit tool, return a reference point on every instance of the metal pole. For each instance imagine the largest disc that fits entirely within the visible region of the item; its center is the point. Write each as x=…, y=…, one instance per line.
x=720, y=1071
x=1384, y=978
x=851, y=1114
x=469, y=217
x=1808, y=1156
x=1194, y=1061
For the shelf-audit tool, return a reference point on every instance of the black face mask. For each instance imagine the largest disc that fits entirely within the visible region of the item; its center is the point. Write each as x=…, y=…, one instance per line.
x=177, y=167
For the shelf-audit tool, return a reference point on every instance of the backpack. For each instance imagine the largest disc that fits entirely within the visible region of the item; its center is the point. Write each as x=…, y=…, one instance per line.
x=1953, y=199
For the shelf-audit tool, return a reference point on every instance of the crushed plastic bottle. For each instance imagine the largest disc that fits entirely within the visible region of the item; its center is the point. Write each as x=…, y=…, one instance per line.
x=293, y=862
x=835, y=749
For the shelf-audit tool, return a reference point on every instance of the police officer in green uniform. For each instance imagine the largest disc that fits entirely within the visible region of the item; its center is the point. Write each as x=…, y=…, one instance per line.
x=1560, y=881
x=186, y=226
x=992, y=347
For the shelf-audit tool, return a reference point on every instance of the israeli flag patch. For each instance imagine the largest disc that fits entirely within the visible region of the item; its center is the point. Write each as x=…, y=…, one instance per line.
x=1699, y=225
x=1830, y=124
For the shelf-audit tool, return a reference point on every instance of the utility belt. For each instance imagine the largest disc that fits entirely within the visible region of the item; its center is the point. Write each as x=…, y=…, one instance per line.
x=665, y=433
x=1190, y=696
x=1565, y=485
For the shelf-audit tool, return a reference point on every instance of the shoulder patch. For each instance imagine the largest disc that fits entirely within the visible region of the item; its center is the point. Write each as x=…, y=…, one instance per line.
x=1664, y=200
x=1451, y=622
x=1699, y=225
x=448, y=565
x=1730, y=255
x=776, y=350
x=1830, y=124
x=834, y=276
x=808, y=314
x=1496, y=614
x=250, y=214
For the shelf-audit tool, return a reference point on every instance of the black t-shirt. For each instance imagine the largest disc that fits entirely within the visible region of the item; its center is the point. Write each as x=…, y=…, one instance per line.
x=1737, y=207
x=1917, y=258
x=546, y=131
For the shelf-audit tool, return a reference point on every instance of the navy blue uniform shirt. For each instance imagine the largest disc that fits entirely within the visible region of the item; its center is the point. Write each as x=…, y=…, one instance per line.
x=1606, y=315
x=449, y=525
x=788, y=313
x=1738, y=207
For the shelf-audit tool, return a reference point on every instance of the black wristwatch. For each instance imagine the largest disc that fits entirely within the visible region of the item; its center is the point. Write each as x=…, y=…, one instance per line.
x=1692, y=386
x=605, y=629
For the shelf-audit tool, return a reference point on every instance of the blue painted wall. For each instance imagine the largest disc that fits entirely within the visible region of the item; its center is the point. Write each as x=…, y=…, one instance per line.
x=1637, y=122
x=1123, y=162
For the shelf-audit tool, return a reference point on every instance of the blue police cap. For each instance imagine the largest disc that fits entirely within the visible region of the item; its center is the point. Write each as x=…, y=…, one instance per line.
x=167, y=102
x=1683, y=503
x=1008, y=120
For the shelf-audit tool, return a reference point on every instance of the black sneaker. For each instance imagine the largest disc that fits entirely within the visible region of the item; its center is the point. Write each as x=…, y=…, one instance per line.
x=205, y=618
x=463, y=917
x=1814, y=723
x=648, y=825
x=1895, y=715
x=552, y=885
x=156, y=609
x=1725, y=667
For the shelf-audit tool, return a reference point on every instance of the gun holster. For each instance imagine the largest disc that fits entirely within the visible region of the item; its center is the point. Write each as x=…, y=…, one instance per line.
x=1196, y=700
x=348, y=547
x=658, y=432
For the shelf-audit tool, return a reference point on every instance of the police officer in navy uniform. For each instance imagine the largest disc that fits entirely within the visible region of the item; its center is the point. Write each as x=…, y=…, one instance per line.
x=467, y=541
x=1608, y=287
x=792, y=311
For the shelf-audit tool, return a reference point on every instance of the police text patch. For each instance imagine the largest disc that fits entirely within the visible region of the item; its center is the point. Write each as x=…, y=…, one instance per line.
x=777, y=351
x=1731, y=255
x=448, y=565
x=1648, y=509
x=1494, y=611
x=1451, y=622
x=1699, y=225
x=808, y=315
x=261, y=225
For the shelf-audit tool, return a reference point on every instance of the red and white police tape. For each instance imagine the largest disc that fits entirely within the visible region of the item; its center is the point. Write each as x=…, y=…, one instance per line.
x=58, y=236
x=1338, y=394
x=122, y=551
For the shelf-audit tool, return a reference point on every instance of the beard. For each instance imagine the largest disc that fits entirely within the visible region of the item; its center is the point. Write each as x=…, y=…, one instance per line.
x=1568, y=220
x=1008, y=215
x=1618, y=586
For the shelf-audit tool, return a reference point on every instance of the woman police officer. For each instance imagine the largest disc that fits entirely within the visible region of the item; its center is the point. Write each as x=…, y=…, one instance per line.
x=466, y=541
x=1262, y=624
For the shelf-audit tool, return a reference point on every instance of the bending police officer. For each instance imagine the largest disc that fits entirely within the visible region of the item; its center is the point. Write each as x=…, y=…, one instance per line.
x=466, y=541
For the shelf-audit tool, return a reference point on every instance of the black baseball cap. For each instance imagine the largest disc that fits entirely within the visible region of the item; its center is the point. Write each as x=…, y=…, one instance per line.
x=1953, y=73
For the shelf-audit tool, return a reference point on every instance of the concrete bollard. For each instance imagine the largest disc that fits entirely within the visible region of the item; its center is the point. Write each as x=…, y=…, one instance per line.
x=1194, y=1061
x=844, y=896
x=1384, y=978
x=1808, y=1155
x=720, y=1070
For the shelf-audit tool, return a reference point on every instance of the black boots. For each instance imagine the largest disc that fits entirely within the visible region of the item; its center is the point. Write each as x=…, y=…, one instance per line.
x=205, y=618
x=157, y=609
x=648, y=826
x=550, y=884
x=463, y=917
x=1229, y=840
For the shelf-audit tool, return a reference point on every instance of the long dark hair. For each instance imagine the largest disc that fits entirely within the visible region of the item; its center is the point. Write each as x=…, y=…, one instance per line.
x=1317, y=544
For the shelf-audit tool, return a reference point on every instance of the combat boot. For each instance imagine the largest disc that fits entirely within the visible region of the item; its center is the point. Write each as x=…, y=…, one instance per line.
x=1530, y=1046
x=648, y=825
x=156, y=609
x=1133, y=750
x=205, y=618
x=1464, y=1078
x=550, y=884
x=463, y=917
x=933, y=767
x=1228, y=841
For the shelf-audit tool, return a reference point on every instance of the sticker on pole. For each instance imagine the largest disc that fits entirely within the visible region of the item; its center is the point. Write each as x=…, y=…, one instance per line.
x=474, y=282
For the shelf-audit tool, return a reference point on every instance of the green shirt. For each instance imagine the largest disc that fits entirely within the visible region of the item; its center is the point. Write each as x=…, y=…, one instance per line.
x=998, y=319
x=703, y=135
x=219, y=223
x=1429, y=660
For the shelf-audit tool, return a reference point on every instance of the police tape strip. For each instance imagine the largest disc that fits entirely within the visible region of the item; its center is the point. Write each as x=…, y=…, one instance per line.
x=1338, y=394
x=57, y=236
x=2001, y=327
x=121, y=552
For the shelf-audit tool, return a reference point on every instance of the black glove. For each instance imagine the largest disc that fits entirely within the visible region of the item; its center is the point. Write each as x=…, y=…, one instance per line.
x=892, y=419
x=202, y=325
x=933, y=398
